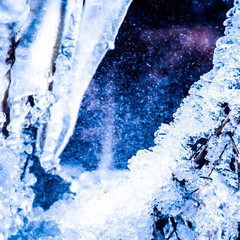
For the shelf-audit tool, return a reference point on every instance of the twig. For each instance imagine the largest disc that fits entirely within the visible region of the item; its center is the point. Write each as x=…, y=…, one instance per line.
x=216, y=163
x=196, y=153
x=209, y=235
x=238, y=167
x=172, y=232
x=218, y=131
x=237, y=153
x=208, y=178
x=174, y=224
x=24, y=169
x=57, y=44
x=5, y=105
x=233, y=143
x=154, y=227
x=199, y=158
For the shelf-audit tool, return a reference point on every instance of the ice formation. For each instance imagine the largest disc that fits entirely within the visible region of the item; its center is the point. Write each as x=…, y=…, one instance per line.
x=52, y=54
x=186, y=187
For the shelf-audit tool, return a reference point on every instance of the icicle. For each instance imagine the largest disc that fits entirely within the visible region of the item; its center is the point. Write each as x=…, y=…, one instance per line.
x=71, y=80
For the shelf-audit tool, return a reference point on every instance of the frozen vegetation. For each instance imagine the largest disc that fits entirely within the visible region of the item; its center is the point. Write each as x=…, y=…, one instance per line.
x=185, y=187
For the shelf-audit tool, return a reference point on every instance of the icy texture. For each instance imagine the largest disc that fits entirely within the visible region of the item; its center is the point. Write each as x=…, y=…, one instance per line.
x=12, y=18
x=53, y=48
x=29, y=74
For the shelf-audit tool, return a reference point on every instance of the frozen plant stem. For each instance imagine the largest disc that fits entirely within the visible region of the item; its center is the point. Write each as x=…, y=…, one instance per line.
x=218, y=131
x=5, y=104
x=154, y=227
x=238, y=166
x=237, y=153
x=216, y=163
x=209, y=235
x=174, y=224
x=233, y=143
x=199, y=158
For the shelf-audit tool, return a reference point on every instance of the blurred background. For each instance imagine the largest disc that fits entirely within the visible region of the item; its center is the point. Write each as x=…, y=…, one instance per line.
x=162, y=48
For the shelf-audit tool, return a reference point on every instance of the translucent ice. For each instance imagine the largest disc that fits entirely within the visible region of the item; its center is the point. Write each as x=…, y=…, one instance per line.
x=70, y=83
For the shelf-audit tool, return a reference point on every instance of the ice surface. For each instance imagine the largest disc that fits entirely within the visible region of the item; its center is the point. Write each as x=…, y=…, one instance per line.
x=33, y=55
x=76, y=66
x=81, y=52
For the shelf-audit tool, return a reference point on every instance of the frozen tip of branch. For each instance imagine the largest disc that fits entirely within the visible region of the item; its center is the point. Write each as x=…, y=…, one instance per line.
x=218, y=131
x=214, y=166
x=200, y=158
x=233, y=143
x=154, y=226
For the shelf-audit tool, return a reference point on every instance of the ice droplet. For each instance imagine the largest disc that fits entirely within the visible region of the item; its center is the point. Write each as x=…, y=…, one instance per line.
x=111, y=45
